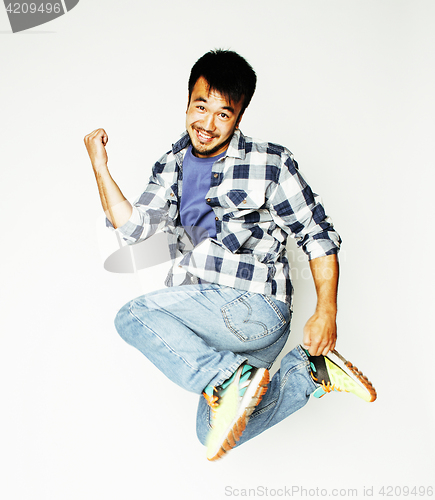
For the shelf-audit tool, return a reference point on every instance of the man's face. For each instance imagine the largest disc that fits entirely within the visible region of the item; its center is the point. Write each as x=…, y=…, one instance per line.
x=211, y=120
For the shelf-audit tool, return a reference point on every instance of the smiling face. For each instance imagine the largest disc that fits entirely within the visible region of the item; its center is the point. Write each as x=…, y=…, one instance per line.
x=211, y=120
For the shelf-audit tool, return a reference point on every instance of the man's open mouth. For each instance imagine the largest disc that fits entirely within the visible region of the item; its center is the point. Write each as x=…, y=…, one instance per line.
x=203, y=136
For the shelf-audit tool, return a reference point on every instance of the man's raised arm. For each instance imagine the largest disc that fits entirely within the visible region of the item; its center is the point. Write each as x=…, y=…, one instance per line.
x=116, y=207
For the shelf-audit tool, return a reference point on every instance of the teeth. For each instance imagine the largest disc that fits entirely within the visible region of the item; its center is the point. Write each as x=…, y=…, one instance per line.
x=204, y=136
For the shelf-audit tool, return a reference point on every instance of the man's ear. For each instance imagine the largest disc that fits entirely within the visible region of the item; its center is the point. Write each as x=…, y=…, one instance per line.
x=239, y=119
x=188, y=102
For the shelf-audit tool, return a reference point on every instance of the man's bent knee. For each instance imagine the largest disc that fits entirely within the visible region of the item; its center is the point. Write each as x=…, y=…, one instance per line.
x=123, y=322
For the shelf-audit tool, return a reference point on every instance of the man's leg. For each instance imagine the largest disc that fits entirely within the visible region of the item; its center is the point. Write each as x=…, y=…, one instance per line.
x=299, y=376
x=198, y=335
x=289, y=390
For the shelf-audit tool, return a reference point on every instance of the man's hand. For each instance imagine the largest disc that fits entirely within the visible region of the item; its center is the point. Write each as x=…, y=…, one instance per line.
x=320, y=333
x=96, y=145
x=117, y=209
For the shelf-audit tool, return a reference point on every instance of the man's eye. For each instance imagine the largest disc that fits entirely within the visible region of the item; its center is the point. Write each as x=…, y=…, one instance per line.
x=201, y=108
x=223, y=115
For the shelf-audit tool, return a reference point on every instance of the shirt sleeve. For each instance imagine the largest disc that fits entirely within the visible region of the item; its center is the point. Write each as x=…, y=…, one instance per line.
x=300, y=213
x=150, y=209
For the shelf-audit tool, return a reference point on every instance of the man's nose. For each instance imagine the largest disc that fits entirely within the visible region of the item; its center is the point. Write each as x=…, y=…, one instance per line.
x=208, y=123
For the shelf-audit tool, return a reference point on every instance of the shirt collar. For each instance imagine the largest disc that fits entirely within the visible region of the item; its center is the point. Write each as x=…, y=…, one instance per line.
x=182, y=143
x=236, y=147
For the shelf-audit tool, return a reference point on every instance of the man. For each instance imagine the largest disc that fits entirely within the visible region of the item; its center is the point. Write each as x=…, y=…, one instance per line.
x=228, y=204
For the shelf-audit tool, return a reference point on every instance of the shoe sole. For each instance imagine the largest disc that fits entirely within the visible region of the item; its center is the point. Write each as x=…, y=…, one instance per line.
x=358, y=374
x=238, y=425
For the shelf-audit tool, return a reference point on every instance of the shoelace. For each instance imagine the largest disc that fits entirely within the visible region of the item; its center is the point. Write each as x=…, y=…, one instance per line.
x=212, y=401
x=329, y=388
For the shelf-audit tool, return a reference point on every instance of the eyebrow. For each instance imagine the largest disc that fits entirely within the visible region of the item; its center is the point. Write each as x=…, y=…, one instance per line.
x=227, y=108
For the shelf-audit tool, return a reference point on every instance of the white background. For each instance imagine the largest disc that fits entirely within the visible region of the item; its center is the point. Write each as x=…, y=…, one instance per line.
x=347, y=85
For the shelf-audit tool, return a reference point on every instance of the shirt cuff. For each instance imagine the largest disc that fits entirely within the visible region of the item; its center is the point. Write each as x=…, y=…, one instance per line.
x=127, y=229
x=322, y=247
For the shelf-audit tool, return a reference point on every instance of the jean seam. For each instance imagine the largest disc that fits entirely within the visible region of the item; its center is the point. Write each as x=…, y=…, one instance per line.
x=307, y=365
x=278, y=313
x=273, y=343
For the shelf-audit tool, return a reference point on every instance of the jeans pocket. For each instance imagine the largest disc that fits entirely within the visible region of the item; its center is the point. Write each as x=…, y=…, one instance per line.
x=253, y=316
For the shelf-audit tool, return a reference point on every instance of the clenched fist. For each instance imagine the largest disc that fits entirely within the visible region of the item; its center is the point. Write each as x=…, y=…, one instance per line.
x=96, y=145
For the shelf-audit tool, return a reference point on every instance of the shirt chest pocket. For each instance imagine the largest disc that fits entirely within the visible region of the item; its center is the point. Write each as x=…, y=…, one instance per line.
x=244, y=201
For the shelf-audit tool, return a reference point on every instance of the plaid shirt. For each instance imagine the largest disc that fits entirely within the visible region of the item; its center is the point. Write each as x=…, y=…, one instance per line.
x=259, y=198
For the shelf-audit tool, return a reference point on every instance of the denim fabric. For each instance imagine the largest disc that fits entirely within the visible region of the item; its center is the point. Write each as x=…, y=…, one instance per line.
x=198, y=335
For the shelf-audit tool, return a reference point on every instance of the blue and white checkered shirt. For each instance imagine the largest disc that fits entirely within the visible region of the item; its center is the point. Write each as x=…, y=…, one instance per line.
x=259, y=198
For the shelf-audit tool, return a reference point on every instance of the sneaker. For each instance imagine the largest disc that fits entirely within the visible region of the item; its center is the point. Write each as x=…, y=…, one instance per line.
x=232, y=404
x=334, y=373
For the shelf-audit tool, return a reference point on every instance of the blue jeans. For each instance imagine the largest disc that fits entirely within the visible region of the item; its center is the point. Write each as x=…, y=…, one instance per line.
x=198, y=335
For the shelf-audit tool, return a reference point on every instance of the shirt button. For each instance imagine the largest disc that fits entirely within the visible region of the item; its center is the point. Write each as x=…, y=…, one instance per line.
x=208, y=199
x=216, y=175
x=244, y=201
x=216, y=218
x=172, y=194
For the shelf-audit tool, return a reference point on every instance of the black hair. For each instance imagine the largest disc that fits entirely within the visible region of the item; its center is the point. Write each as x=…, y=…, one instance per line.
x=227, y=73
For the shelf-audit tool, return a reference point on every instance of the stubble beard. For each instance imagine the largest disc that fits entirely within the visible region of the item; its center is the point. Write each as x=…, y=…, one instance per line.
x=212, y=151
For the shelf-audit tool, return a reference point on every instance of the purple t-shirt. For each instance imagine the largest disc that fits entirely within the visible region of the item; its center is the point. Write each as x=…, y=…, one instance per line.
x=196, y=216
